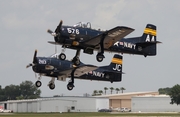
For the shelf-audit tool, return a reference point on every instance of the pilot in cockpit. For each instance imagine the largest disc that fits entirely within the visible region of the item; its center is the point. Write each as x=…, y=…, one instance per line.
x=84, y=25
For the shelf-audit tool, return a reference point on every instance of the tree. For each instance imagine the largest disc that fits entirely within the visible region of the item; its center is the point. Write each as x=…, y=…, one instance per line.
x=95, y=92
x=100, y=92
x=29, y=90
x=175, y=94
x=122, y=89
x=3, y=97
x=111, y=88
x=26, y=90
x=117, y=90
x=105, y=89
x=164, y=90
x=11, y=92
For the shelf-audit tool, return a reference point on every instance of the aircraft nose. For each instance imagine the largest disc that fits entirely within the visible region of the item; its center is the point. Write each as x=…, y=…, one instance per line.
x=35, y=68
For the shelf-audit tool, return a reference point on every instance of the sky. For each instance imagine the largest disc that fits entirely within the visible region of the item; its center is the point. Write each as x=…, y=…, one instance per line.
x=23, y=26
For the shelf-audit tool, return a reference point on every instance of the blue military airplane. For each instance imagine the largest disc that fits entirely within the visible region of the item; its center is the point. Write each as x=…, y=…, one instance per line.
x=61, y=69
x=82, y=36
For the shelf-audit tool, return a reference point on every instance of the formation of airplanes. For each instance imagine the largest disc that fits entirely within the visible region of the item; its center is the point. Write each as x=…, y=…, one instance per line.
x=82, y=37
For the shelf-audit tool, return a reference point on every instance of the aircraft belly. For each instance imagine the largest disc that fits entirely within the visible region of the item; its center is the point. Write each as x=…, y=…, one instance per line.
x=124, y=50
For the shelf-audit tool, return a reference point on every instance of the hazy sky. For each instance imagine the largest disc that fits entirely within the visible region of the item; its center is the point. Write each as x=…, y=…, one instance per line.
x=23, y=26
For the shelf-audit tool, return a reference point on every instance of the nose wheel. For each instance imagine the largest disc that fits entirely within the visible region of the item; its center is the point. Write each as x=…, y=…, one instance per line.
x=62, y=56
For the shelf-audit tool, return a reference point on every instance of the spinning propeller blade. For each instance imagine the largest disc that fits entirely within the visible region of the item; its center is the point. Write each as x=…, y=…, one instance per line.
x=34, y=60
x=57, y=31
x=29, y=65
x=50, y=31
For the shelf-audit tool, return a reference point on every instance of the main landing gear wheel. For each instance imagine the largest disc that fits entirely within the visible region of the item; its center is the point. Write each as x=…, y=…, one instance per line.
x=99, y=58
x=62, y=56
x=51, y=86
x=38, y=83
x=70, y=86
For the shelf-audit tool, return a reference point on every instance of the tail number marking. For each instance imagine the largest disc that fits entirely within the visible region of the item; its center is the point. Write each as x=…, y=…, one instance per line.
x=148, y=39
x=117, y=67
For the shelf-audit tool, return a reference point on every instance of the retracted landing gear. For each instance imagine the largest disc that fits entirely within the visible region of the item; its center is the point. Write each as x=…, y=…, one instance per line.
x=70, y=85
x=76, y=60
x=51, y=84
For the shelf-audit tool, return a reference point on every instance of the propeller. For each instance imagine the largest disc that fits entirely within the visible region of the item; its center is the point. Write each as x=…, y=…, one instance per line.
x=57, y=31
x=34, y=60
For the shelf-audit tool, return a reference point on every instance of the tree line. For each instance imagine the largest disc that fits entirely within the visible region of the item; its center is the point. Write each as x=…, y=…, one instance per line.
x=100, y=92
x=173, y=92
x=26, y=90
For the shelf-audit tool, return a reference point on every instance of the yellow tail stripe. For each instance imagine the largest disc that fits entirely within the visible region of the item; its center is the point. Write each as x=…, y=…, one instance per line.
x=117, y=61
x=150, y=31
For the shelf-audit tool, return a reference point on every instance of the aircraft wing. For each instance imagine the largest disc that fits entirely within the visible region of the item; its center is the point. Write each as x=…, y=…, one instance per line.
x=80, y=70
x=110, y=36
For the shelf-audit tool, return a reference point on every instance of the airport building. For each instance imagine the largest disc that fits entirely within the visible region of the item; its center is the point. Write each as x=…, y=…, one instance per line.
x=136, y=101
x=124, y=99
x=153, y=103
x=57, y=104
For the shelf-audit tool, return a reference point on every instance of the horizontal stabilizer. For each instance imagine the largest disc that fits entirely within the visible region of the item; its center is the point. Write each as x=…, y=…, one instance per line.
x=53, y=42
x=145, y=44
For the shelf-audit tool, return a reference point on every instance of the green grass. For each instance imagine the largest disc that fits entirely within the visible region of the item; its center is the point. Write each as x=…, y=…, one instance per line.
x=88, y=114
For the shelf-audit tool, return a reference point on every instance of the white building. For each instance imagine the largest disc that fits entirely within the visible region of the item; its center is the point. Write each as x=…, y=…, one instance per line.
x=153, y=103
x=57, y=104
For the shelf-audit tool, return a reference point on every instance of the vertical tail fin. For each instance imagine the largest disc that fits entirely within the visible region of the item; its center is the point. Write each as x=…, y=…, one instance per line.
x=149, y=34
x=147, y=43
x=114, y=70
x=116, y=64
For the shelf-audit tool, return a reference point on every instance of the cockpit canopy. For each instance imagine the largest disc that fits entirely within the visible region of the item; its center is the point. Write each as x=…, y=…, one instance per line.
x=83, y=25
x=55, y=55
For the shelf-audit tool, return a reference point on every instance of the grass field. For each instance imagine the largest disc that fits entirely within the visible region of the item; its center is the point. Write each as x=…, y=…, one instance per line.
x=89, y=114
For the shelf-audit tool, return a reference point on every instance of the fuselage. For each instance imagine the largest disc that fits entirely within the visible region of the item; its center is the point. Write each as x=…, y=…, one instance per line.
x=53, y=67
x=73, y=37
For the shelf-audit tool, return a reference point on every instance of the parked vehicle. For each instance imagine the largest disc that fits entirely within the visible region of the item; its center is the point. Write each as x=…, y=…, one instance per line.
x=1, y=110
x=5, y=111
x=124, y=109
x=105, y=110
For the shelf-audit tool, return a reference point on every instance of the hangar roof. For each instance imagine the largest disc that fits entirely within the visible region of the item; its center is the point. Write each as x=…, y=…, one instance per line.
x=129, y=95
